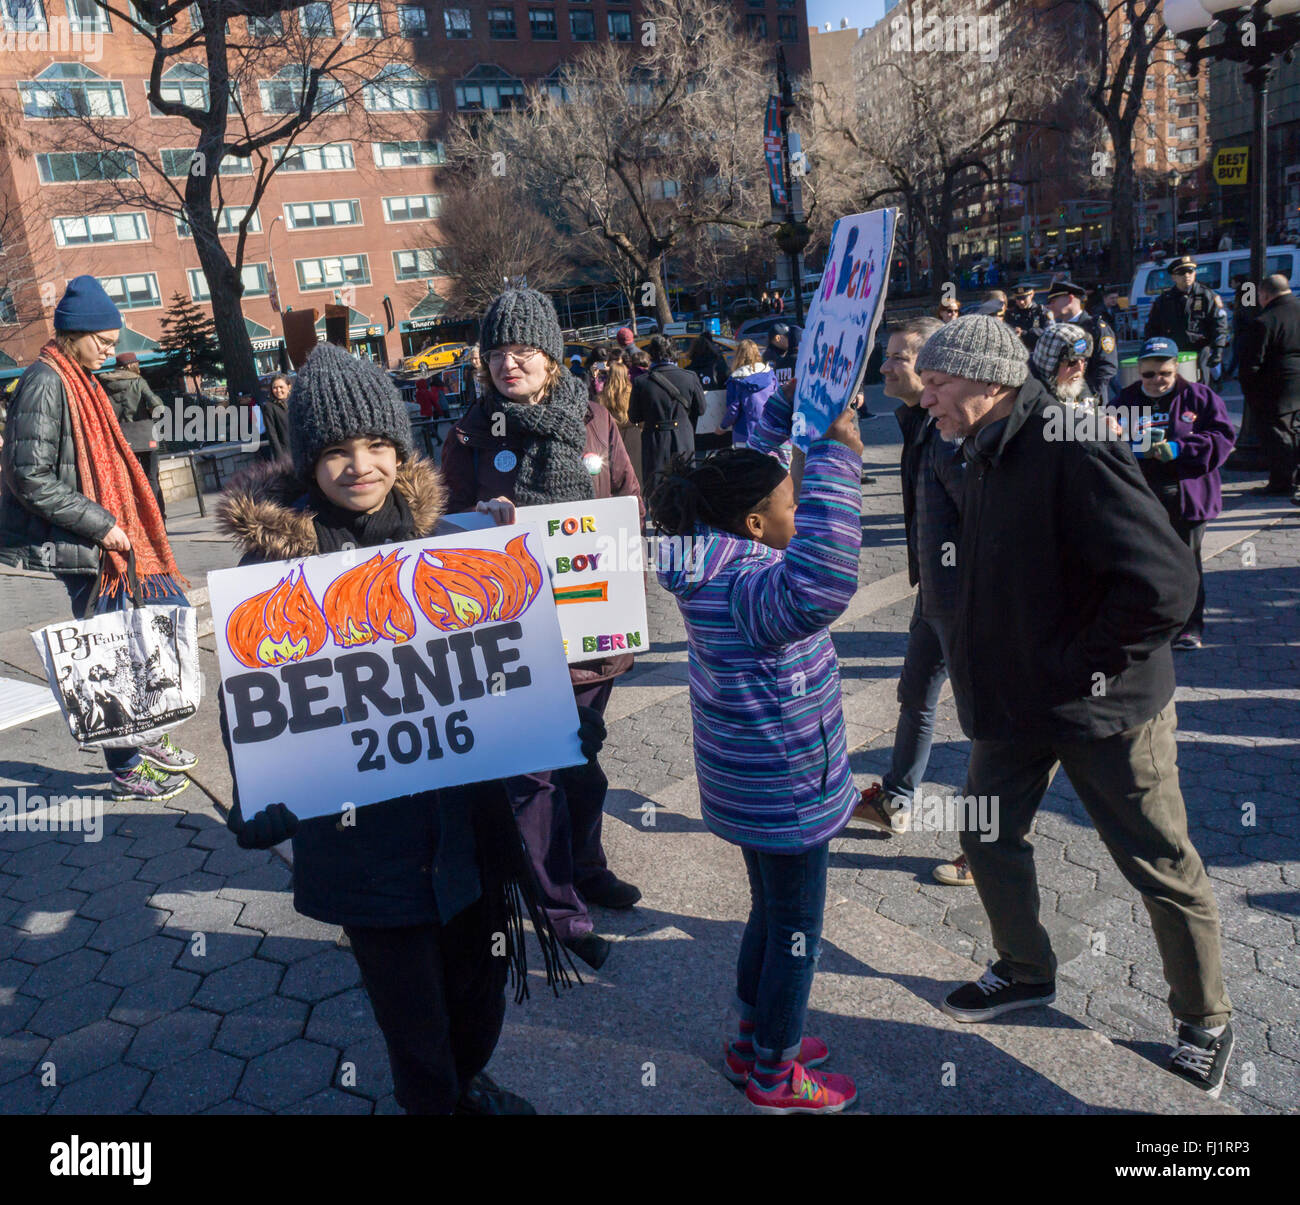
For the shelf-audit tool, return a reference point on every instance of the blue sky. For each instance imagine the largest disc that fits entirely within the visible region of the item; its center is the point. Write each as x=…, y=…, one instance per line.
x=860, y=13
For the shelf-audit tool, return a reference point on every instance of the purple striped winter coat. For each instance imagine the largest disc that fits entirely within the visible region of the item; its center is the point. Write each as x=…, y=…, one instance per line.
x=770, y=750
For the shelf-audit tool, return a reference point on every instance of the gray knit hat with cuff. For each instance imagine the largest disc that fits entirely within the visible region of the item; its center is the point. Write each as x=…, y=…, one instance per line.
x=523, y=317
x=338, y=396
x=976, y=348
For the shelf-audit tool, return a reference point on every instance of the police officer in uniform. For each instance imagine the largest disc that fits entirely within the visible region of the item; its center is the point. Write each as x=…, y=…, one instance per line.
x=1065, y=300
x=1025, y=316
x=1193, y=316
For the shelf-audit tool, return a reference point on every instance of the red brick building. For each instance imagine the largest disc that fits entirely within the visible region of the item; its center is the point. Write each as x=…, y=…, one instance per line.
x=353, y=212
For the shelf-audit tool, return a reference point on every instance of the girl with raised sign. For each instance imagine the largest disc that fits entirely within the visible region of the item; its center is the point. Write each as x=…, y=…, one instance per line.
x=770, y=751
x=536, y=437
x=428, y=886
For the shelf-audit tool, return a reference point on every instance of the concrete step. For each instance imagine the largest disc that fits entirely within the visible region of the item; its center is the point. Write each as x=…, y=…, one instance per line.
x=644, y=1034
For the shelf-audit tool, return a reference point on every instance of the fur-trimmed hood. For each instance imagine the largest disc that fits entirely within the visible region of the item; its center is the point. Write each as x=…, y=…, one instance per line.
x=265, y=510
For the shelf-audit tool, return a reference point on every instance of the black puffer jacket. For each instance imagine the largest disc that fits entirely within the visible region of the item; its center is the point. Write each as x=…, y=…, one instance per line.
x=409, y=860
x=46, y=522
x=1073, y=583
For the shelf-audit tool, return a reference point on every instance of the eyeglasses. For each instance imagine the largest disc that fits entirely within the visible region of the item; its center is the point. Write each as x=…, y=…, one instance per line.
x=105, y=345
x=1070, y=361
x=1184, y=271
x=521, y=358
x=1151, y=376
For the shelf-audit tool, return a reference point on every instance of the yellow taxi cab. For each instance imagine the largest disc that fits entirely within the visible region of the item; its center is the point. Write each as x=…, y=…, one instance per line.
x=435, y=356
x=682, y=345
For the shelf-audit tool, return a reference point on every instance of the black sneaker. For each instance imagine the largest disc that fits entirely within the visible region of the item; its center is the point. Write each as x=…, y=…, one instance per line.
x=609, y=891
x=591, y=948
x=1202, y=1059
x=484, y=1098
x=993, y=994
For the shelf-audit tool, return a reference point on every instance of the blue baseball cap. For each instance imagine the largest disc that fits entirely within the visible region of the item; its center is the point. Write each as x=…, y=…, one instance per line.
x=1159, y=348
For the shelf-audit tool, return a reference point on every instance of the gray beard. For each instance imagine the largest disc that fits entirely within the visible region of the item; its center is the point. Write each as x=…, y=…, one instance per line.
x=1070, y=393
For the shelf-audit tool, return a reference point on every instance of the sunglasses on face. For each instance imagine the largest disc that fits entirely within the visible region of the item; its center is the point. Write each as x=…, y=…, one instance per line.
x=1151, y=376
x=1185, y=272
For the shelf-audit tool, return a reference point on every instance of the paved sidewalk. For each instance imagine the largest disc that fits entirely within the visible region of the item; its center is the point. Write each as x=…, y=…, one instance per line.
x=163, y=970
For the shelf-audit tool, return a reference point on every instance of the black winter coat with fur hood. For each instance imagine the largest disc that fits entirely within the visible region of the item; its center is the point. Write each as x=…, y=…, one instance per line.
x=411, y=860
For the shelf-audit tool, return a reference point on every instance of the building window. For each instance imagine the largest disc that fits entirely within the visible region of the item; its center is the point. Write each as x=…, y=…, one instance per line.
x=68, y=167
x=419, y=208
x=320, y=157
x=186, y=84
x=412, y=21
x=1151, y=155
x=266, y=27
x=8, y=311
x=488, y=88
x=501, y=23
x=409, y=154
x=138, y=291
x=316, y=20
x=85, y=16
x=787, y=29
x=415, y=265
x=456, y=22
x=582, y=26
x=286, y=92
x=228, y=219
x=255, y=280
x=72, y=90
x=332, y=270
x=785, y=3
x=401, y=88
x=178, y=163
x=309, y=215
x=101, y=228
x=757, y=25
x=22, y=16
x=620, y=27
x=542, y=23
x=364, y=19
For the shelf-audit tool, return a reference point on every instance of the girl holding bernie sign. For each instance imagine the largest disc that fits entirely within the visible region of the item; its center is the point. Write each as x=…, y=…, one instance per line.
x=427, y=886
x=770, y=751
x=533, y=438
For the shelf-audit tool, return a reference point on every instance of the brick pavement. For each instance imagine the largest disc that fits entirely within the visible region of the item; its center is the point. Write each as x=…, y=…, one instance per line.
x=164, y=970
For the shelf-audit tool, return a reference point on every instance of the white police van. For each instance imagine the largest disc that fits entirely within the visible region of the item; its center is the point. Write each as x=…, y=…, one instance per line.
x=1215, y=269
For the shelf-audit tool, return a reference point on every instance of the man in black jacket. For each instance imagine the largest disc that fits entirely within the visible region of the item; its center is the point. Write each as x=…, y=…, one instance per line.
x=1073, y=583
x=137, y=408
x=930, y=520
x=1270, y=381
x=1192, y=315
x=667, y=402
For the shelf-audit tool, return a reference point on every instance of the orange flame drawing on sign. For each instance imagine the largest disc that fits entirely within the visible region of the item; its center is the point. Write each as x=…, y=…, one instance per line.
x=460, y=587
x=278, y=625
x=366, y=604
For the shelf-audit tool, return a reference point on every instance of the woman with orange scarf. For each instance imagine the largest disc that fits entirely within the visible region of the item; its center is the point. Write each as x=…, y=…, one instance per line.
x=76, y=502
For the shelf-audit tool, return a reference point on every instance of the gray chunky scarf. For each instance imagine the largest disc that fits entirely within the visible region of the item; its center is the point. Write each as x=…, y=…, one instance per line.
x=554, y=433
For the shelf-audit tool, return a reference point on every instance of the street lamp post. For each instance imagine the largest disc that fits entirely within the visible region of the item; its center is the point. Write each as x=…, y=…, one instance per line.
x=1253, y=35
x=792, y=236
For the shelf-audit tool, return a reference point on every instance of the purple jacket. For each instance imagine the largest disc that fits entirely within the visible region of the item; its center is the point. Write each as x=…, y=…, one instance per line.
x=1199, y=424
x=747, y=392
x=771, y=754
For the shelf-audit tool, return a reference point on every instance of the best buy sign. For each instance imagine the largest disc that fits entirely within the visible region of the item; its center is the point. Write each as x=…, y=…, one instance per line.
x=1231, y=165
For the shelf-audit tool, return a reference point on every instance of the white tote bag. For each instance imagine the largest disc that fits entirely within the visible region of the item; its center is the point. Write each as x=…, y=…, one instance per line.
x=123, y=678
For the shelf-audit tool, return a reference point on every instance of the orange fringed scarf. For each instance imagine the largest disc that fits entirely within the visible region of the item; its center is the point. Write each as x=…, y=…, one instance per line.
x=110, y=475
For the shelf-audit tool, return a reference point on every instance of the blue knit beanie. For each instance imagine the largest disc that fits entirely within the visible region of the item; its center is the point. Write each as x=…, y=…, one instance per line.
x=85, y=306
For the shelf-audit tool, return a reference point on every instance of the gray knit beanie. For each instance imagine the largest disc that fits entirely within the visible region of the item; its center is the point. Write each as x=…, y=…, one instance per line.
x=978, y=348
x=524, y=317
x=337, y=397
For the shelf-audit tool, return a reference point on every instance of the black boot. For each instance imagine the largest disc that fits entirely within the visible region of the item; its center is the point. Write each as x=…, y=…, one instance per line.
x=609, y=891
x=591, y=948
x=483, y=1098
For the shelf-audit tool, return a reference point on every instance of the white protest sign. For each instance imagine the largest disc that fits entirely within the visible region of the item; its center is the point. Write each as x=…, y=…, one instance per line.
x=840, y=331
x=595, y=558
x=365, y=675
x=715, y=410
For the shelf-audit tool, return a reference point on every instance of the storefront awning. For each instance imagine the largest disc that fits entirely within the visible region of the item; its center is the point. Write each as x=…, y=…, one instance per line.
x=130, y=340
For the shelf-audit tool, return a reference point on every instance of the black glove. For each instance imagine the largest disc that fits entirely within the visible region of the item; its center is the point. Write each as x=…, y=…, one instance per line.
x=591, y=731
x=270, y=826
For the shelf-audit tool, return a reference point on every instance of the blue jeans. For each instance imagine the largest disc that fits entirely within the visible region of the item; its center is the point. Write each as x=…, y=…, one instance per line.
x=780, y=947
x=162, y=592
x=918, y=699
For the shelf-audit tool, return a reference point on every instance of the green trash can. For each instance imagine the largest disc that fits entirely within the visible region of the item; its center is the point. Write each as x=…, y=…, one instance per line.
x=1128, y=370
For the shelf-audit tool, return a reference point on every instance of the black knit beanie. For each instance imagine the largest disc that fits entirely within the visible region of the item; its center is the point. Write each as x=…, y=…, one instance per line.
x=337, y=397
x=524, y=317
